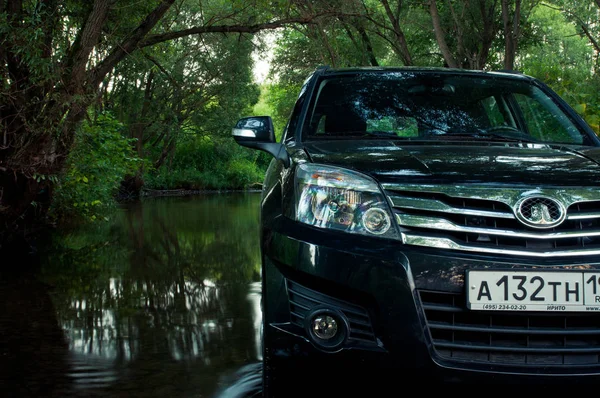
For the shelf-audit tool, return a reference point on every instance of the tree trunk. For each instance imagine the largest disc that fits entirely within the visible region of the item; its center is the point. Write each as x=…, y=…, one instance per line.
x=440, y=35
x=25, y=175
x=132, y=185
x=401, y=46
x=37, y=135
x=168, y=148
x=87, y=40
x=511, y=32
x=367, y=44
x=487, y=36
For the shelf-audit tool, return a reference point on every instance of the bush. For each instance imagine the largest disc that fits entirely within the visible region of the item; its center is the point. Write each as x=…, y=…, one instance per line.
x=209, y=164
x=242, y=173
x=97, y=164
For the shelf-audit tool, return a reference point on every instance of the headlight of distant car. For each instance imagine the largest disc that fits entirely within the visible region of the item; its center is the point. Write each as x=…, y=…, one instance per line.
x=344, y=200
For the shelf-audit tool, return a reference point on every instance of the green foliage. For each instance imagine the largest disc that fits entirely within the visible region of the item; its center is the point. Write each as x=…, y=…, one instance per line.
x=564, y=60
x=100, y=159
x=183, y=110
x=178, y=99
x=272, y=103
x=209, y=164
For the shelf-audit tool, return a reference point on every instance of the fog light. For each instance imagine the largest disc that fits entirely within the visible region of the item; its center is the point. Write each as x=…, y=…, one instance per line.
x=376, y=221
x=324, y=327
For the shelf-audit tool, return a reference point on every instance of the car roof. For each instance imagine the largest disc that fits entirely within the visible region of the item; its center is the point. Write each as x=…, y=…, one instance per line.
x=325, y=70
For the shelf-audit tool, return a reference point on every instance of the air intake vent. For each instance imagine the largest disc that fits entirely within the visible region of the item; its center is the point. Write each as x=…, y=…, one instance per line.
x=510, y=338
x=302, y=300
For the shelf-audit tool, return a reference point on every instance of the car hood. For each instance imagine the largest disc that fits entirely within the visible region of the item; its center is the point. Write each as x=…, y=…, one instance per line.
x=464, y=163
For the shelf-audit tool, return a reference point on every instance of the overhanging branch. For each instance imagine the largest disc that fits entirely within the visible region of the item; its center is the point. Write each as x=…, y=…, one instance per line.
x=159, y=38
x=126, y=47
x=584, y=26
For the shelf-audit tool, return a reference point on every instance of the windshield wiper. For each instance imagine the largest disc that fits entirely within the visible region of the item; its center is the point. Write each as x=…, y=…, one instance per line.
x=483, y=136
x=384, y=134
x=360, y=134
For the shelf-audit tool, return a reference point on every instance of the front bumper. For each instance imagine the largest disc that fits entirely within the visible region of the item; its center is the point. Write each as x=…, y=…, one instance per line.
x=385, y=278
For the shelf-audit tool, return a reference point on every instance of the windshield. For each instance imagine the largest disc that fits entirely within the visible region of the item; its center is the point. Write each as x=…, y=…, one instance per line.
x=444, y=107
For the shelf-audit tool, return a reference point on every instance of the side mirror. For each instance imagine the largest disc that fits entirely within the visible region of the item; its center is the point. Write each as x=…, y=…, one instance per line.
x=257, y=132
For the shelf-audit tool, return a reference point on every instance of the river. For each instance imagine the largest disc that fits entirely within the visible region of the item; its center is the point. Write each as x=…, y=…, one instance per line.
x=162, y=300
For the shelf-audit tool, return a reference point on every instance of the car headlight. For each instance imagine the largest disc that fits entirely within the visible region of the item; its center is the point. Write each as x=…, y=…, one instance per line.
x=344, y=200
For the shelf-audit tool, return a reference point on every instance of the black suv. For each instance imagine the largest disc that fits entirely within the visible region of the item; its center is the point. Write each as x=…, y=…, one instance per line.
x=429, y=222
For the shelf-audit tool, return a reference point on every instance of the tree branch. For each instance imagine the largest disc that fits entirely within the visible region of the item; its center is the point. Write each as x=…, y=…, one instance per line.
x=508, y=42
x=584, y=26
x=159, y=38
x=591, y=38
x=89, y=37
x=367, y=44
x=17, y=70
x=51, y=9
x=402, y=45
x=352, y=39
x=459, y=31
x=163, y=70
x=517, y=22
x=130, y=44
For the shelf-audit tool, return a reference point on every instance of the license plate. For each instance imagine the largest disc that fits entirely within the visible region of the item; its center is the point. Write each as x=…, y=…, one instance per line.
x=533, y=291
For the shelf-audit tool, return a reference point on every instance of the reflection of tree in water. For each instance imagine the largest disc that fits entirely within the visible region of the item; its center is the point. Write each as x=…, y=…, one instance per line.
x=167, y=293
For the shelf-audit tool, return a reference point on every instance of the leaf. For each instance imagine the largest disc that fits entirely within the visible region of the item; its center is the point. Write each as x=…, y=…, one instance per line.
x=592, y=119
x=580, y=108
x=85, y=179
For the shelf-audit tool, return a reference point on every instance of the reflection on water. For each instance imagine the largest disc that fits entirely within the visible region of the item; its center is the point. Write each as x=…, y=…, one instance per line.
x=164, y=300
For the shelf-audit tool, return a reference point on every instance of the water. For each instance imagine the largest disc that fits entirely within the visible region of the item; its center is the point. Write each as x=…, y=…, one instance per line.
x=162, y=300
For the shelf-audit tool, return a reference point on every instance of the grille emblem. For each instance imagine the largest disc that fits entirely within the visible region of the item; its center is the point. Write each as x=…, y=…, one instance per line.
x=540, y=212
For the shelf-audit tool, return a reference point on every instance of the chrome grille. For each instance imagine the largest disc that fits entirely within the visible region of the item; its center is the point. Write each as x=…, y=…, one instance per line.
x=509, y=338
x=437, y=217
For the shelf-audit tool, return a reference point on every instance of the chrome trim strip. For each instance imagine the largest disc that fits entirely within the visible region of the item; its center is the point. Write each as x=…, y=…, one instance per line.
x=409, y=220
x=243, y=133
x=444, y=243
x=583, y=216
x=510, y=196
x=439, y=206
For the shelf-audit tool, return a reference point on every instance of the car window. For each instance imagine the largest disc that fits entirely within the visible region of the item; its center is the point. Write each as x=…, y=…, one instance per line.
x=427, y=106
x=492, y=109
x=543, y=124
x=290, y=128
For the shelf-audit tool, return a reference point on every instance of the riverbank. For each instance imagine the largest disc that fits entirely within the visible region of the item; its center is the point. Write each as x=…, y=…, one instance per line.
x=153, y=193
